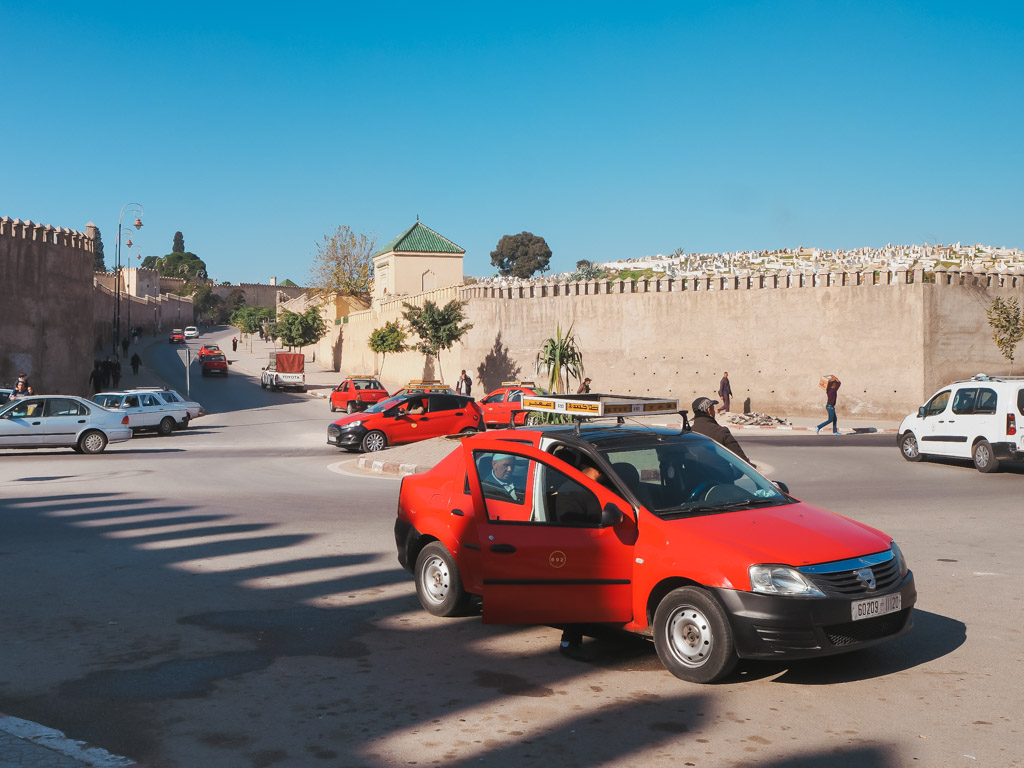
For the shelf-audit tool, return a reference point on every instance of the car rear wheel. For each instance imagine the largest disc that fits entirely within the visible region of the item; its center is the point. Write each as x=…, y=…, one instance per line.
x=165, y=427
x=92, y=441
x=438, y=584
x=350, y=408
x=469, y=431
x=333, y=409
x=374, y=441
x=909, y=447
x=693, y=637
x=984, y=457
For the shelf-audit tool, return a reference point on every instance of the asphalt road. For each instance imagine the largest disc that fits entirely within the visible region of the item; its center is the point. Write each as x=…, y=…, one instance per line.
x=229, y=596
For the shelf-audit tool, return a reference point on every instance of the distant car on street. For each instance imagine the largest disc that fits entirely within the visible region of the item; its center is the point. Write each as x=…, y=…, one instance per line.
x=208, y=349
x=145, y=411
x=405, y=419
x=49, y=421
x=357, y=394
x=191, y=332
x=214, y=363
x=177, y=336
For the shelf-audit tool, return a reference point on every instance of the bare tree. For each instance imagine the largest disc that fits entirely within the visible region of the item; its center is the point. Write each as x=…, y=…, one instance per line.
x=343, y=264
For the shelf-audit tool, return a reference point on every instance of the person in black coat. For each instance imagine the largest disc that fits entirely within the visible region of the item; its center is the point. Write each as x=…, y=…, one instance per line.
x=704, y=424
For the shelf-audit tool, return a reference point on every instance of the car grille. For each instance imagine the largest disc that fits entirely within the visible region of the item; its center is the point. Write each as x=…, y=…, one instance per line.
x=849, y=584
x=867, y=629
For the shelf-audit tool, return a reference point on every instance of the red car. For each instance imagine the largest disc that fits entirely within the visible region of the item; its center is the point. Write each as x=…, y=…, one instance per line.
x=208, y=349
x=177, y=336
x=656, y=531
x=500, y=405
x=214, y=363
x=406, y=419
x=356, y=394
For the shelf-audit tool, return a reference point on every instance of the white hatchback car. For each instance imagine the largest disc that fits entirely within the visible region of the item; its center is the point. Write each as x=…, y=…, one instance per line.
x=191, y=332
x=145, y=411
x=970, y=419
x=49, y=421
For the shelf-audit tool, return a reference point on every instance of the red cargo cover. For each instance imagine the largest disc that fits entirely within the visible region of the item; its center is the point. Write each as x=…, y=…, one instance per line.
x=290, y=362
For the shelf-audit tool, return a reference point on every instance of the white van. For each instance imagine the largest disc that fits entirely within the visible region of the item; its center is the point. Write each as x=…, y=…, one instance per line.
x=970, y=419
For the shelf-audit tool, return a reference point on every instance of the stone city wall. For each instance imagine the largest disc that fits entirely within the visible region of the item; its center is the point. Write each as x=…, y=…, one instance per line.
x=891, y=337
x=155, y=315
x=260, y=295
x=45, y=292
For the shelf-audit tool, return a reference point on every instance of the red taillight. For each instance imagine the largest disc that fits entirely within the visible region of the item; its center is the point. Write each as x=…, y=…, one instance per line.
x=1011, y=424
x=124, y=421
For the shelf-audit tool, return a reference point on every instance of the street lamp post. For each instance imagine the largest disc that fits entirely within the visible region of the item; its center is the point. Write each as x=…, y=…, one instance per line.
x=139, y=211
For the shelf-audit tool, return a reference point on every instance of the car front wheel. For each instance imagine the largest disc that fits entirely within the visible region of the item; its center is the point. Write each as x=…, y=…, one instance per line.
x=438, y=584
x=984, y=457
x=910, y=448
x=693, y=636
x=92, y=442
x=374, y=441
x=350, y=408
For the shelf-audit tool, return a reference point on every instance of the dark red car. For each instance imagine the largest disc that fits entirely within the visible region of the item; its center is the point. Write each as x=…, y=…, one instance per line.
x=214, y=363
x=406, y=419
x=656, y=531
x=357, y=394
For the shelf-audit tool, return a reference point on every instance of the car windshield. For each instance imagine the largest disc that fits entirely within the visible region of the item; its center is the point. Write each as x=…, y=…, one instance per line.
x=108, y=401
x=384, y=405
x=689, y=475
x=217, y=358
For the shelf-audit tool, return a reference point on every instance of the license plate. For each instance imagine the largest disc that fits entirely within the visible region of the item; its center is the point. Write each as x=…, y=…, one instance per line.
x=876, y=606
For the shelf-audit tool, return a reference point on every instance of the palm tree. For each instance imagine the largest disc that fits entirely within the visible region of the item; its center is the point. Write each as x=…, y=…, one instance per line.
x=560, y=358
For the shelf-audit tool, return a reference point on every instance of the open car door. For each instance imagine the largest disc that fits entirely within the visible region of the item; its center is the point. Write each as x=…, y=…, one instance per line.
x=556, y=546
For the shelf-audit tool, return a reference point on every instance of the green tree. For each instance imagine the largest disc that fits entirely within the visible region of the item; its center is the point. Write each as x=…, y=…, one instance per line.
x=343, y=264
x=98, y=263
x=176, y=264
x=297, y=330
x=179, y=243
x=559, y=359
x=249, y=319
x=521, y=255
x=235, y=300
x=1007, y=322
x=438, y=328
x=387, y=339
x=208, y=304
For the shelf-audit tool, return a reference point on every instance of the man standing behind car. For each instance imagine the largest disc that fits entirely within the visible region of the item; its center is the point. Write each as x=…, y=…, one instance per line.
x=704, y=424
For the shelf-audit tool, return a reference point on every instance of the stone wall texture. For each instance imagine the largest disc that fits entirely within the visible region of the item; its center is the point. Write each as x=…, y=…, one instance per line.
x=891, y=337
x=46, y=291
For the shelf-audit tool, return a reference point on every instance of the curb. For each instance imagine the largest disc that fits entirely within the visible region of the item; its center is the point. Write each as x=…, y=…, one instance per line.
x=396, y=468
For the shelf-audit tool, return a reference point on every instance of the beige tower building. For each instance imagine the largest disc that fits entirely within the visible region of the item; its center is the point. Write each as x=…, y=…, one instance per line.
x=417, y=260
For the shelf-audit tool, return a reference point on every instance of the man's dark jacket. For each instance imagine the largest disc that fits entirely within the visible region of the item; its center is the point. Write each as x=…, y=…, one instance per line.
x=705, y=425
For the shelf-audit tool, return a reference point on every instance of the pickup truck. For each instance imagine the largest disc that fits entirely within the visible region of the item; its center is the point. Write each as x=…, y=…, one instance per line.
x=285, y=370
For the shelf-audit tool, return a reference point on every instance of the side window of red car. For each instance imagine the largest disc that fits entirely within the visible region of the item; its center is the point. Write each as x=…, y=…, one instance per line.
x=515, y=397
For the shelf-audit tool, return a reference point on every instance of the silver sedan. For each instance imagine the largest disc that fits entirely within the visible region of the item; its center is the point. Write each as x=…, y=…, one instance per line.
x=50, y=421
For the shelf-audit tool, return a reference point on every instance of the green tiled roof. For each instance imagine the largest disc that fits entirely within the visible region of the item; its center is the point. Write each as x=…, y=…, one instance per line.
x=420, y=239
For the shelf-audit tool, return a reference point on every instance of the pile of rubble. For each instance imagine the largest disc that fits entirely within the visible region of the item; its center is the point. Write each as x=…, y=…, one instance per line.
x=751, y=419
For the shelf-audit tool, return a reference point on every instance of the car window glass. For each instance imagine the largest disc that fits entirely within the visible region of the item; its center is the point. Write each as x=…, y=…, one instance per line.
x=1020, y=401
x=59, y=406
x=26, y=409
x=444, y=403
x=495, y=398
x=132, y=401
x=149, y=400
x=503, y=479
x=963, y=400
x=986, y=401
x=937, y=404
x=108, y=401
x=515, y=397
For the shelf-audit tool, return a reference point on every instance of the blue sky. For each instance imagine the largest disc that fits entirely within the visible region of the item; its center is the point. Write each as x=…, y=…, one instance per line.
x=613, y=130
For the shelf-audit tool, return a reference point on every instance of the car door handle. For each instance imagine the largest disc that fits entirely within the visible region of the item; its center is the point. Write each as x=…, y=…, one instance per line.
x=503, y=549
x=460, y=413
x=458, y=512
x=81, y=421
x=36, y=423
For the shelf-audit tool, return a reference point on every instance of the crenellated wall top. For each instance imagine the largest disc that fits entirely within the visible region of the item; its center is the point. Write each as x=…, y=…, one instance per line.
x=45, y=233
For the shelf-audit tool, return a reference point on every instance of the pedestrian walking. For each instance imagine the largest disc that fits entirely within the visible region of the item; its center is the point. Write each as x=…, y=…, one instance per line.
x=725, y=392
x=704, y=424
x=464, y=385
x=831, y=384
x=96, y=377
x=124, y=346
x=234, y=343
x=584, y=388
x=106, y=367
x=115, y=373
x=136, y=362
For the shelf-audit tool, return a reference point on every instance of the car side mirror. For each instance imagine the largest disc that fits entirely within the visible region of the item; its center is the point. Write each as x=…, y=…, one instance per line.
x=782, y=487
x=920, y=412
x=611, y=515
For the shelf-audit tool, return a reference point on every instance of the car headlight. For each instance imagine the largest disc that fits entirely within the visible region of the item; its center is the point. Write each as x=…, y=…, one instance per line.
x=352, y=424
x=781, y=580
x=901, y=561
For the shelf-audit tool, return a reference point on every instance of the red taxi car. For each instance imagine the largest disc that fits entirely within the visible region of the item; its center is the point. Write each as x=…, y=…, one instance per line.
x=208, y=349
x=357, y=393
x=657, y=531
x=177, y=336
x=406, y=419
x=214, y=362
x=506, y=402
